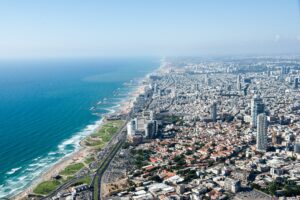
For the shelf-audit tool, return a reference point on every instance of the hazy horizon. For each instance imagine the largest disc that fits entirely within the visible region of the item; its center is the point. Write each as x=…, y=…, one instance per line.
x=50, y=29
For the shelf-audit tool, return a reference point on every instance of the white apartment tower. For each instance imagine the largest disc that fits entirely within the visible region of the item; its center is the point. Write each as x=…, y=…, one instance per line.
x=238, y=83
x=257, y=107
x=262, y=133
x=213, y=112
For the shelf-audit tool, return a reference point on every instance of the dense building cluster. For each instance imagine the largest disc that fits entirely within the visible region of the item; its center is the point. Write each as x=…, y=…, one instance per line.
x=216, y=129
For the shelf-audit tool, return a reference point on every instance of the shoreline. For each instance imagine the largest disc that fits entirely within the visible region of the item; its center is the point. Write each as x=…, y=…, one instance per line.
x=53, y=170
x=83, y=151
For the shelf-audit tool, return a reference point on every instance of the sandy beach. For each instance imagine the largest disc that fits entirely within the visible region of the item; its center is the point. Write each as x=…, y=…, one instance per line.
x=77, y=156
x=82, y=153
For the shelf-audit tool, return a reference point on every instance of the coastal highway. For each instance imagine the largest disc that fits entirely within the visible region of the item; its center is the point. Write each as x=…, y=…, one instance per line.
x=97, y=180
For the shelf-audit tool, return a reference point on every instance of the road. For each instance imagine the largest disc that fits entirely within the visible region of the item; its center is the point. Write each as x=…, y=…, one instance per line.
x=96, y=183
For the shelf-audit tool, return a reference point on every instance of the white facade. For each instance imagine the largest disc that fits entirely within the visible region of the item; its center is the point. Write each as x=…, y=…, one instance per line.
x=213, y=112
x=131, y=127
x=257, y=107
x=262, y=131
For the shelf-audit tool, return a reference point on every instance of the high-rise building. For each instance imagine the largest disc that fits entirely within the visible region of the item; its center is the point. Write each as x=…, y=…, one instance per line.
x=257, y=107
x=151, y=129
x=207, y=80
x=284, y=70
x=296, y=83
x=297, y=145
x=262, y=133
x=213, y=112
x=238, y=83
x=155, y=88
x=131, y=127
x=196, y=87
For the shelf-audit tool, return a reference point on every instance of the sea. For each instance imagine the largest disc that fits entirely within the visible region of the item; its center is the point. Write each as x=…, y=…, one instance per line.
x=48, y=105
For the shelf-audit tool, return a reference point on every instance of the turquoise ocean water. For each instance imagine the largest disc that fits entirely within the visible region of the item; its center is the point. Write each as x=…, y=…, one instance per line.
x=45, y=110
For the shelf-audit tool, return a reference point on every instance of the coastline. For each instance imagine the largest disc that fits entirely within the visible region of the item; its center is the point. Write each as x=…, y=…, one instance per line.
x=53, y=170
x=83, y=151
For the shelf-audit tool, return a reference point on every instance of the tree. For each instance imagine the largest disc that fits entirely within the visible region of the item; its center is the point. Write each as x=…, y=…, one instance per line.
x=156, y=178
x=272, y=187
x=210, y=163
x=189, y=152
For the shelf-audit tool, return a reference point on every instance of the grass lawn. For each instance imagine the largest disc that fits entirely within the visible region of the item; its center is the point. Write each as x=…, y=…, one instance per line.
x=46, y=187
x=67, y=178
x=104, y=134
x=85, y=180
x=96, y=188
x=89, y=160
x=72, y=169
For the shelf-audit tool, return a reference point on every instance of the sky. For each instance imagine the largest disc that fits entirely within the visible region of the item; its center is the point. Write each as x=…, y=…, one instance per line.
x=96, y=28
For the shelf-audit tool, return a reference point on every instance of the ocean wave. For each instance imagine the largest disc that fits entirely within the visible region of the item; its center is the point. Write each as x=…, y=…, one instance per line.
x=36, y=158
x=32, y=171
x=112, y=109
x=14, y=170
x=21, y=178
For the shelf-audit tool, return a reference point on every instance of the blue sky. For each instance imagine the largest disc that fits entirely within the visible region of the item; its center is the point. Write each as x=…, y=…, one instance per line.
x=73, y=28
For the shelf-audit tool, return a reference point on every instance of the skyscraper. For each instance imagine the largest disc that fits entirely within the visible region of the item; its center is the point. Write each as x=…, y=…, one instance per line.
x=207, y=80
x=257, y=107
x=213, y=112
x=151, y=129
x=262, y=131
x=196, y=87
x=238, y=83
x=131, y=127
x=284, y=70
x=297, y=145
x=296, y=83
